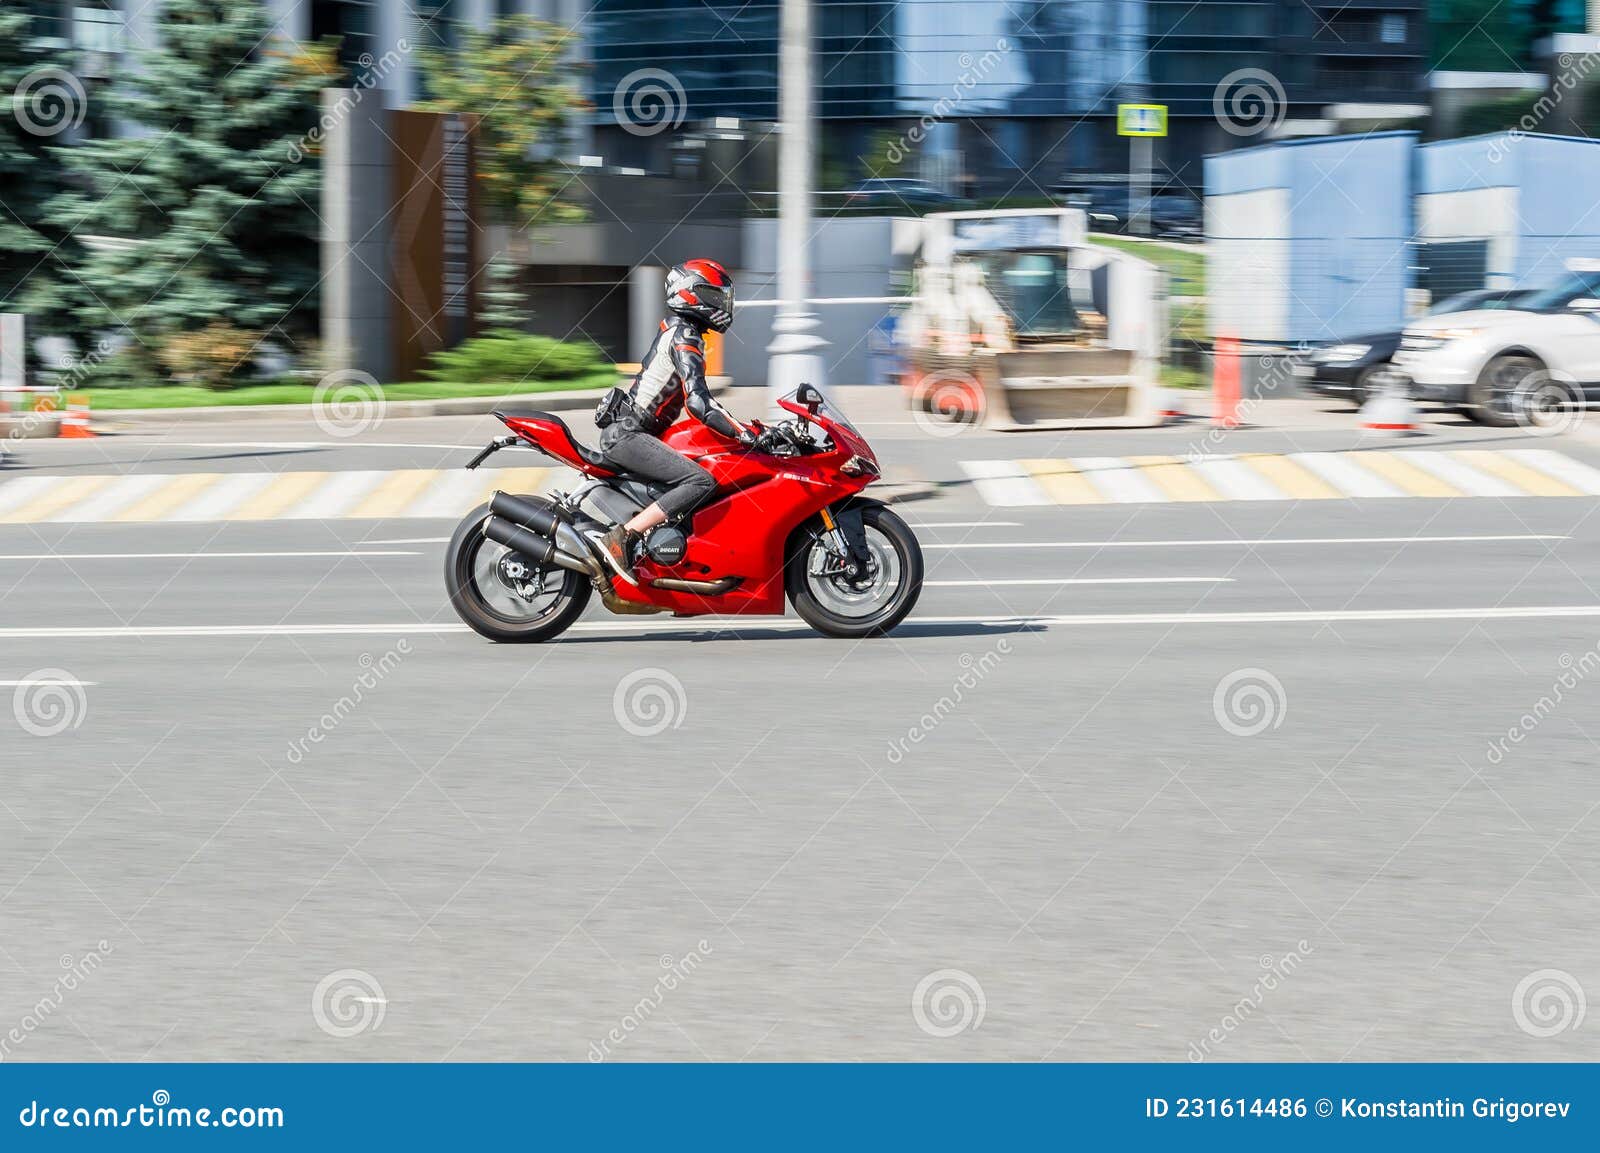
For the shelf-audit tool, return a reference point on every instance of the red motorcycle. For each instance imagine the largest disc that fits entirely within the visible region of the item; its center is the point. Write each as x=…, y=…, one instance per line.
x=788, y=521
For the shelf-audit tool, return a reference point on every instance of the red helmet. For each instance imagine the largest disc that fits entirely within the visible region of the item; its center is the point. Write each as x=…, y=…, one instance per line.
x=701, y=291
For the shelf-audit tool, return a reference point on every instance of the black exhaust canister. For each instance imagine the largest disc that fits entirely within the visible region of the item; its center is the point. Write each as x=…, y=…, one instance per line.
x=535, y=546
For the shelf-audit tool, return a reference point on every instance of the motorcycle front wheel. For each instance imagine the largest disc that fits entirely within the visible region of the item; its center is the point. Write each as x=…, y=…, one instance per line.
x=833, y=605
x=500, y=595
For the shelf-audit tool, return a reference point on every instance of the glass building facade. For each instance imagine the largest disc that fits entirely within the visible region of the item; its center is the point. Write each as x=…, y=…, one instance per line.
x=1018, y=86
x=1012, y=58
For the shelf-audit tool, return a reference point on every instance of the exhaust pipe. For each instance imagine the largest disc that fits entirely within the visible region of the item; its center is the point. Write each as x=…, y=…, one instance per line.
x=539, y=534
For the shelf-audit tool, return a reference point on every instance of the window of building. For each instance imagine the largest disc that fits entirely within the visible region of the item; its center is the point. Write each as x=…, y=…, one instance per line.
x=1392, y=28
x=96, y=28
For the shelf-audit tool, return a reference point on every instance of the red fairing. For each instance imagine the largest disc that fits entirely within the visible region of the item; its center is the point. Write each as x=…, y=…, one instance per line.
x=744, y=530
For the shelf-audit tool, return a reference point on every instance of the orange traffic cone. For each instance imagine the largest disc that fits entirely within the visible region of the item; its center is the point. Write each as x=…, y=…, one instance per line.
x=75, y=421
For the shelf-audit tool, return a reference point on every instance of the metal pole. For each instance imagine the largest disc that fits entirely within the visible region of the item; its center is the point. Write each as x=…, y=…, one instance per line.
x=796, y=348
x=1139, y=148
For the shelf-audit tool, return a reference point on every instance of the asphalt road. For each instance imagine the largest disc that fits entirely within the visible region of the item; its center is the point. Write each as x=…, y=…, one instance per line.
x=1142, y=782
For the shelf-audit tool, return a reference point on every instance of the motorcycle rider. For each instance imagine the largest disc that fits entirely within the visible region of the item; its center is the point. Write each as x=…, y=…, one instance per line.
x=671, y=377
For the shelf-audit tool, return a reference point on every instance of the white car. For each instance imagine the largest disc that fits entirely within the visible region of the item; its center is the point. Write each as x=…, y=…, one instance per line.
x=1530, y=365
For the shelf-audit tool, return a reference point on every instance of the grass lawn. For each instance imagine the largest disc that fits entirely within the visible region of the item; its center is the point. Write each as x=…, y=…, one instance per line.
x=296, y=392
x=1186, y=276
x=1185, y=268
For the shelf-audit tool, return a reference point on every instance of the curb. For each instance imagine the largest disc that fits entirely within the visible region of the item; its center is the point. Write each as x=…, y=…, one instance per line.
x=393, y=410
x=567, y=401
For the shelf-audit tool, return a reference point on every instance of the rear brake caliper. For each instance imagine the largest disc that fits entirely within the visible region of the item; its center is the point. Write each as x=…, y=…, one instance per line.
x=520, y=577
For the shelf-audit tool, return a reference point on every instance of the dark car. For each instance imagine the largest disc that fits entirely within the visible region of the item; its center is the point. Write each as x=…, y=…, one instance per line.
x=896, y=192
x=1348, y=368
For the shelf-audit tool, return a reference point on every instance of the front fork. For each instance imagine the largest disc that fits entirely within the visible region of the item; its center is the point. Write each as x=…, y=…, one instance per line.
x=845, y=538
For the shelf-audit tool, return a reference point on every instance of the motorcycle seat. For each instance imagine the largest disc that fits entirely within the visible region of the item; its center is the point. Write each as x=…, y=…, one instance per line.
x=589, y=455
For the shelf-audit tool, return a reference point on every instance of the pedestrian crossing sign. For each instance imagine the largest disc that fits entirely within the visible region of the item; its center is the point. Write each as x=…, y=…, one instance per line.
x=1141, y=120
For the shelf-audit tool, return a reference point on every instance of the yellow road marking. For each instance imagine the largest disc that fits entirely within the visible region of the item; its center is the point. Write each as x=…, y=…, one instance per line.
x=177, y=491
x=1530, y=481
x=521, y=481
x=56, y=498
x=1402, y=474
x=287, y=490
x=1173, y=476
x=1062, y=483
x=1291, y=478
x=396, y=492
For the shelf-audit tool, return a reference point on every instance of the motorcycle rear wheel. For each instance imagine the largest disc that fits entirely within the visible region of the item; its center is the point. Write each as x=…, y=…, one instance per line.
x=490, y=606
x=829, y=605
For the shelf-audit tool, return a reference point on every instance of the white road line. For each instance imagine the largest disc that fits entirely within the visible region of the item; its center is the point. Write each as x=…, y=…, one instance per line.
x=966, y=524
x=1349, y=478
x=1175, y=580
x=71, y=681
x=1236, y=480
x=1243, y=543
x=1004, y=482
x=1117, y=480
x=1579, y=475
x=737, y=624
x=36, y=556
x=411, y=540
x=1457, y=473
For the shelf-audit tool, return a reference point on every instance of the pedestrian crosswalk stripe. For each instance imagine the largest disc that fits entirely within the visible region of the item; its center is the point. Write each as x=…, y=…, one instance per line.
x=1236, y=480
x=167, y=498
x=1566, y=470
x=253, y=496
x=287, y=490
x=1407, y=477
x=1348, y=478
x=55, y=498
x=1462, y=475
x=1516, y=473
x=1293, y=479
x=1371, y=473
x=1173, y=477
x=1117, y=480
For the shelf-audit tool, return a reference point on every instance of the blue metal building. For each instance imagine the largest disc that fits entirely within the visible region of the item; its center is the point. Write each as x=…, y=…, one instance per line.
x=1506, y=210
x=1306, y=239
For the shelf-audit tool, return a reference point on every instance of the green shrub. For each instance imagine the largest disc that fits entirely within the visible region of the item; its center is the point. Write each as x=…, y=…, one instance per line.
x=515, y=357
